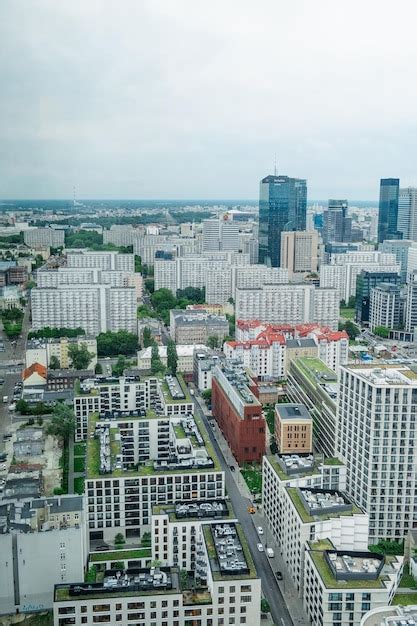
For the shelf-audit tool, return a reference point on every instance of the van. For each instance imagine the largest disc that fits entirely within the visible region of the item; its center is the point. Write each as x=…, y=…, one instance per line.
x=5, y=399
x=270, y=553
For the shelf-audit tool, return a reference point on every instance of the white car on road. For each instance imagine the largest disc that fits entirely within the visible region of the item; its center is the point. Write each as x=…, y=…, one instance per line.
x=260, y=530
x=260, y=547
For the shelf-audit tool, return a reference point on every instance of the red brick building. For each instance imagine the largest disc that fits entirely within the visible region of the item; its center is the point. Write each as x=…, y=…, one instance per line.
x=238, y=412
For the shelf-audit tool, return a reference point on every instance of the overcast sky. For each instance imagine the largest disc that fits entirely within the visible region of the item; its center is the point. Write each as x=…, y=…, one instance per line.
x=192, y=99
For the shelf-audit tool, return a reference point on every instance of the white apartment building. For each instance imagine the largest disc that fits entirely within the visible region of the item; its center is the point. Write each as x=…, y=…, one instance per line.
x=342, y=271
x=140, y=461
x=41, y=237
x=96, y=307
x=204, y=363
x=220, y=234
x=122, y=234
x=410, y=312
x=101, y=260
x=280, y=304
x=42, y=350
x=147, y=245
x=299, y=252
x=384, y=309
x=250, y=276
x=401, y=249
x=341, y=586
x=377, y=439
x=77, y=276
x=219, y=592
x=42, y=541
x=390, y=616
x=185, y=356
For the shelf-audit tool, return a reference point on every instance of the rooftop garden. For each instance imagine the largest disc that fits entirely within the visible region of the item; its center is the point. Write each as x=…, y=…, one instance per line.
x=319, y=461
x=307, y=518
x=167, y=394
x=212, y=554
x=121, y=555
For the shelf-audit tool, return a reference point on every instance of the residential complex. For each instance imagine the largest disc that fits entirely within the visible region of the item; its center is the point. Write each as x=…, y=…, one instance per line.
x=185, y=354
x=385, y=306
x=41, y=237
x=366, y=281
x=101, y=260
x=238, y=412
x=220, y=234
x=278, y=304
x=43, y=350
x=377, y=439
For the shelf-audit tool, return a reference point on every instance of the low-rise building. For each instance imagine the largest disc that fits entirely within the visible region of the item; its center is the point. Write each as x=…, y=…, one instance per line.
x=185, y=356
x=42, y=350
x=293, y=429
x=238, y=412
x=196, y=326
x=204, y=363
x=341, y=586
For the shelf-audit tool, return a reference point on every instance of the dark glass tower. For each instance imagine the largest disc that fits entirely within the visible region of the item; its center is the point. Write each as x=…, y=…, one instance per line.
x=388, y=209
x=282, y=207
x=337, y=226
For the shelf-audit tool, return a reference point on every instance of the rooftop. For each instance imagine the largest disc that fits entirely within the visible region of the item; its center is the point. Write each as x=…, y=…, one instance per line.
x=391, y=616
x=289, y=466
x=175, y=390
x=386, y=374
x=233, y=377
x=315, y=504
x=289, y=411
x=228, y=551
x=196, y=510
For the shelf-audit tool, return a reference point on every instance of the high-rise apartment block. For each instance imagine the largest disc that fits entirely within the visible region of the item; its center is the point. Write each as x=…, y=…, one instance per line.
x=410, y=313
x=41, y=237
x=377, y=439
x=337, y=226
x=385, y=306
x=365, y=282
x=282, y=207
x=388, y=209
x=220, y=234
x=101, y=260
x=279, y=304
x=401, y=248
x=299, y=253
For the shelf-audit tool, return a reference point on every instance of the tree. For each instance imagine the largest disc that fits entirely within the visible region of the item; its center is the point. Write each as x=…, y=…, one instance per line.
x=381, y=331
x=150, y=285
x=54, y=363
x=113, y=344
x=48, y=332
x=156, y=363
x=265, y=606
x=351, y=329
x=119, y=539
x=206, y=395
x=194, y=295
x=99, y=369
x=172, y=357
x=22, y=407
x=213, y=342
x=80, y=356
x=147, y=337
x=120, y=366
x=62, y=422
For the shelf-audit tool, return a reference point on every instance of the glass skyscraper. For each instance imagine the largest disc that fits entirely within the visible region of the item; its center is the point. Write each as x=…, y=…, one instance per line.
x=282, y=207
x=388, y=209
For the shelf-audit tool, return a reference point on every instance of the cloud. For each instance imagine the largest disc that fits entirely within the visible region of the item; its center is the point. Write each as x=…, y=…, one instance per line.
x=159, y=99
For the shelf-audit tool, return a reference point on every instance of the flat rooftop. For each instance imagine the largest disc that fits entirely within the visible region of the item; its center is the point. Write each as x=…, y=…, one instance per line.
x=234, y=375
x=290, y=411
x=228, y=551
x=289, y=466
x=196, y=510
x=387, y=374
x=393, y=616
x=314, y=504
x=174, y=390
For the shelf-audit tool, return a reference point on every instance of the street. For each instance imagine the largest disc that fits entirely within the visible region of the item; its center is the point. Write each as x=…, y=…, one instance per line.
x=240, y=505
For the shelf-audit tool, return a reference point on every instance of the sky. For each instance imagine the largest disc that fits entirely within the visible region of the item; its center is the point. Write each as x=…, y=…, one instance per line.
x=192, y=99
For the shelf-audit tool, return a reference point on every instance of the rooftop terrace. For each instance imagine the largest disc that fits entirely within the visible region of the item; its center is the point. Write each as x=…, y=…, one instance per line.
x=197, y=510
x=294, y=465
x=175, y=390
x=228, y=552
x=314, y=504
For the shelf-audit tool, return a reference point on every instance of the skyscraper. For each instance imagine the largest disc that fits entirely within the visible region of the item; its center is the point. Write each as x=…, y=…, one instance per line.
x=337, y=226
x=407, y=213
x=282, y=207
x=388, y=209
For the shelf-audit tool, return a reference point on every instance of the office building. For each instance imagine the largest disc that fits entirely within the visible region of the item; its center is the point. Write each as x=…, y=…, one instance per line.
x=42, y=350
x=238, y=412
x=101, y=260
x=293, y=429
x=96, y=308
x=410, y=313
x=365, y=282
x=224, y=588
x=279, y=304
x=299, y=253
x=41, y=237
x=340, y=586
x=388, y=210
x=268, y=349
x=407, y=213
x=313, y=384
x=401, y=248
x=282, y=207
x=192, y=327
x=378, y=445
x=220, y=234
x=42, y=541
x=337, y=226
x=385, y=306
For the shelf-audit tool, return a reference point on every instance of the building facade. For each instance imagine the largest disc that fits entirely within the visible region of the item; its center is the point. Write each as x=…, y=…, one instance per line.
x=388, y=209
x=299, y=253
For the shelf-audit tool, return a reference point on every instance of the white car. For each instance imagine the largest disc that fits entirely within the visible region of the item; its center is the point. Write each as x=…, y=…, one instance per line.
x=260, y=530
x=260, y=547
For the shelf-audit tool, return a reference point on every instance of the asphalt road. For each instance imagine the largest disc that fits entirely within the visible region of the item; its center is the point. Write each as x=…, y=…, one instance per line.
x=240, y=504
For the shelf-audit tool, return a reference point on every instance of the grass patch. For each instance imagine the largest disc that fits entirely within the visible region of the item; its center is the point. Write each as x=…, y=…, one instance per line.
x=79, y=485
x=79, y=464
x=253, y=478
x=121, y=555
x=64, y=464
x=39, y=619
x=405, y=598
x=270, y=420
x=348, y=314
x=407, y=580
x=79, y=449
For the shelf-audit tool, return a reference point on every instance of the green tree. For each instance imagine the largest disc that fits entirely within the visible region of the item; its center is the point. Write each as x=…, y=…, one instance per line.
x=120, y=366
x=156, y=363
x=147, y=337
x=150, y=285
x=99, y=369
x=22, y=407
x=62, y=422
x=351, y=329
x=206, y=394
x=54, y=363
x=48, y=332
x=265, y=606
x=194, y=295
x=213, y=342
x=80, y=356
x=172, y=357
x=381, y=331
x=115, y=343
x=119, y=539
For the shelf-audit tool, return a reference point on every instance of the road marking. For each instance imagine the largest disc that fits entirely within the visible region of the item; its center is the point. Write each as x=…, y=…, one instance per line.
x=282, y=620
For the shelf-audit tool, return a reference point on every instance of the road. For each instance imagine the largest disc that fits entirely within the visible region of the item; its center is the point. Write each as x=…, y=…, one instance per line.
x=240, y=504
x=11, y=372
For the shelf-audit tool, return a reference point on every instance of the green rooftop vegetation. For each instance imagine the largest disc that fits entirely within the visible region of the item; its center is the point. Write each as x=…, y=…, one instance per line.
x=212, y=554
x=307, y=518
x=314, y=470
x=121, y=555
x=405, y=598
x=167, y=394
x=179, y=431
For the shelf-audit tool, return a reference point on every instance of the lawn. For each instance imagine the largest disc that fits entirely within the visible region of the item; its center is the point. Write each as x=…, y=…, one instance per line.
x=79, y=449
x=79, y=464
x=139, y=553
x=63, y=464
x=407, y=579
x=348, y=314
x=270, y=420
x=39, y=619
x=79, y=485
x=253, y=478
x=405, y=598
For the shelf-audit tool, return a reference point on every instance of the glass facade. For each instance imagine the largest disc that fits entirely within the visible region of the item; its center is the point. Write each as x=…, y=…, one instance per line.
x=282, y=207
x=388, y=209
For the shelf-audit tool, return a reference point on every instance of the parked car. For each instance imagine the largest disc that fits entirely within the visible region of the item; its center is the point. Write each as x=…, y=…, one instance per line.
x=251, y=510
x=278, y=575
x=260, y=530
x=270, y=553
x=260, y=547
